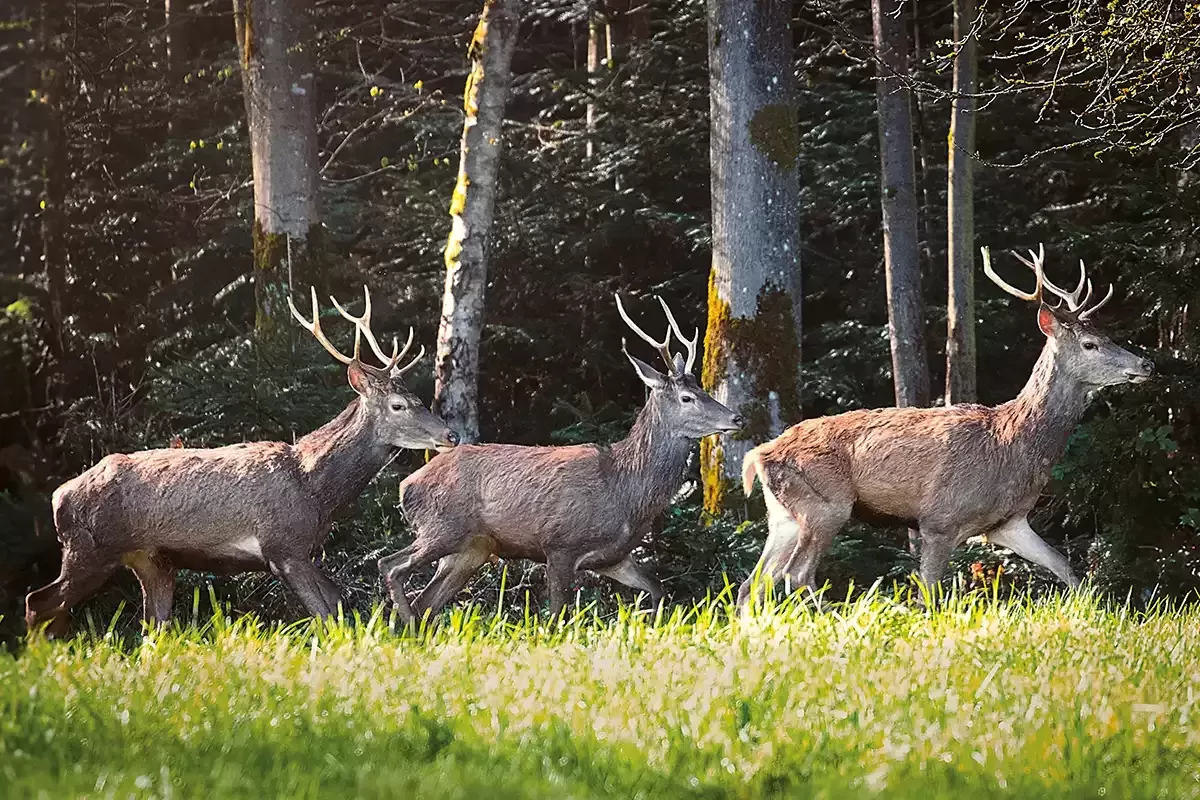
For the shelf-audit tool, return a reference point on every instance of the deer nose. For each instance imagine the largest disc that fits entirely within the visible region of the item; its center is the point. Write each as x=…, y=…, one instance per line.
x=1148, y=366
x=451, y=437
x=738, y=421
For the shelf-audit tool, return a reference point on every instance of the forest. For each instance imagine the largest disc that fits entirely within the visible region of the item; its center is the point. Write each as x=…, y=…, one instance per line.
x=174, y=170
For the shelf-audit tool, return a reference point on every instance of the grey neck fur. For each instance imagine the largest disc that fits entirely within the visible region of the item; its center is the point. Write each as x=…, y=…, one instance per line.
x=650, y=462
x=341, y=457
x=1042, y=417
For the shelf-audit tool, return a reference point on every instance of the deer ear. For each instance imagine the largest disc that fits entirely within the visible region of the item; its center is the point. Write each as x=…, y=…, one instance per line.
x=649, y=375
x=358, y=378
x=1047, y=321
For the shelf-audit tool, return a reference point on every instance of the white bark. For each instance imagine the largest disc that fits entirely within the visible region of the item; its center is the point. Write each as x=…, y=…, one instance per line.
x=456, y=395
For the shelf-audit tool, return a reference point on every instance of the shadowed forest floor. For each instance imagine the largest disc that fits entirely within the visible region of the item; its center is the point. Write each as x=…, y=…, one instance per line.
x=1065, y=697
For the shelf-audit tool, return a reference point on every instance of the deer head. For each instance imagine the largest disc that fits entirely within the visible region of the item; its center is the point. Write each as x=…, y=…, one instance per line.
x=1083, y=353
x=401, y=418
x=686, y=409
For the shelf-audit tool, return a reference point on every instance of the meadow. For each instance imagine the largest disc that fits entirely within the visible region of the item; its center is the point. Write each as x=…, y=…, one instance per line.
x=1068, y=696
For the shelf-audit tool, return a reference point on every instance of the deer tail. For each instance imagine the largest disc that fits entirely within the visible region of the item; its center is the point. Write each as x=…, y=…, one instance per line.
x=749, y=471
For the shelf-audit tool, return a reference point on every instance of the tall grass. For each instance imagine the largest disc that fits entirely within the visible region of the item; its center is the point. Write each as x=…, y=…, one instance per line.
x=1066, y=697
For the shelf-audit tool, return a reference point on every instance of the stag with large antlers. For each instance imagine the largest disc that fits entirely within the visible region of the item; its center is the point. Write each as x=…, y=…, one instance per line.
x=262, y=506
x=574, y=508
x=953, y=473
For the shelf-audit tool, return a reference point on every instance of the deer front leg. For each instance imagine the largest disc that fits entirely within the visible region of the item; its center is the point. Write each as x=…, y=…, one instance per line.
x=630, y=574
x=560, y=574
x=1017, y=536
x=317, y=593
x=935, y=551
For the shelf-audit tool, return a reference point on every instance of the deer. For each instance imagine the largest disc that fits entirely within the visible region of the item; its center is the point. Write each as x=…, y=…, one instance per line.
x=573, y=508
x=952, y=473
x=250, y=507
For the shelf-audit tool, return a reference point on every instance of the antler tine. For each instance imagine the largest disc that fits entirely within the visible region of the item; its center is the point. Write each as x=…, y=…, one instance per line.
x=363, y=323
x=1088, y=312
x=1072, y=298
x=413, y=363
x=689, y=343
x=1035, y=295
x=663, y=347
x=314, y=328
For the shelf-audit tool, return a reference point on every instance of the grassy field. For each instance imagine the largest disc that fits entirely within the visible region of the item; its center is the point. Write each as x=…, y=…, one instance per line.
x=1057, y=698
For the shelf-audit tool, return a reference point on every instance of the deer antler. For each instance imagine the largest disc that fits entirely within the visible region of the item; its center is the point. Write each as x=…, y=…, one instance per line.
x=691, y=344
x=1077, y=300
x=1036, y=266
x=314, y=328
x=663, y=347
x=363, y=323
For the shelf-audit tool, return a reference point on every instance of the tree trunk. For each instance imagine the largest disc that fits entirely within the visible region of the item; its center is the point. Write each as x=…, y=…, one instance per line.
x=897, y=184
x=175, y=14
x=52, y=203
x=595, y=32
x=960, y=208
x=275, y=43
x=752, y=343
x=456, y=395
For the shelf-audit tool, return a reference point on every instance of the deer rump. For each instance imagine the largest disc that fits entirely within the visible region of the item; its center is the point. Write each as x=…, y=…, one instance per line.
x=521, y=501
x=190, y=505
x=949, y=467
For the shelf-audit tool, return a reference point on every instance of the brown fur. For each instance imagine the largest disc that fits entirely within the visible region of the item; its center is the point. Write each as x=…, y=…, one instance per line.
x=952, y=472
x=579, y=507
x=241, y=508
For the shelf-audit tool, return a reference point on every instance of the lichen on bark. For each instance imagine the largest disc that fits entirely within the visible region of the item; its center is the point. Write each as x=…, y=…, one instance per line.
x=766, y=351
x=773, y=133
x=271, y=256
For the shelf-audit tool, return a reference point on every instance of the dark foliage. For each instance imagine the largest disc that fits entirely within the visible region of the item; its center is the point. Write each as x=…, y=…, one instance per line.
x=152, y=241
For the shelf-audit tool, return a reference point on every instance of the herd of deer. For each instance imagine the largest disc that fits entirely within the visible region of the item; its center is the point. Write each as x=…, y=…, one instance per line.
x=952, y=473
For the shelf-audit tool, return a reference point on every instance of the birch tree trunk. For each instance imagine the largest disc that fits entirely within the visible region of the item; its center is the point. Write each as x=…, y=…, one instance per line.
x=275, y=43
x=752, y=342
x=897, y=184
x=456, y=394
x=960, y=208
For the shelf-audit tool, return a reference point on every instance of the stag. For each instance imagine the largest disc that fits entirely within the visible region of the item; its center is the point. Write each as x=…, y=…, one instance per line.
x=254, y=507
x=583, y=507
x=952, y=473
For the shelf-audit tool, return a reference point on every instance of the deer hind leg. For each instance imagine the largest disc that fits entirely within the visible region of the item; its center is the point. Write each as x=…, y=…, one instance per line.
x=454, y=572
x=629, y=573
x=1016, y=535
x=83, y=572
x=156, y=574
x=317, y=592
x=795, y=543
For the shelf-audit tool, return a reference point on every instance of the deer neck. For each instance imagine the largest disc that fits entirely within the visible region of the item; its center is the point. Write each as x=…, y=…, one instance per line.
x=340, y=458
x=1041, y=418
x=651, y=463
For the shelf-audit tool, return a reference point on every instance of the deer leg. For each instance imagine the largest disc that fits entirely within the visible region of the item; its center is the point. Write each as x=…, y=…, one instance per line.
x=394, y=569
x=454, y=571
x=560, y=574
x=630, y=574
x=1017, y=536
x=83, y=572
x=316, y=591
x=935, y=551
x=157, y=577
x=782, y=540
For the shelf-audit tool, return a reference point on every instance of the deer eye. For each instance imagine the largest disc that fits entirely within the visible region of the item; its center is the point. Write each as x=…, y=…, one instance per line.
x=397, y=406
x=1089, y=345
x=687, y=398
